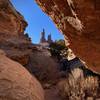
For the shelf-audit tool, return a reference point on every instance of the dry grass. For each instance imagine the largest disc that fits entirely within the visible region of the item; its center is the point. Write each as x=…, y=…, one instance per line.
x=79, y=89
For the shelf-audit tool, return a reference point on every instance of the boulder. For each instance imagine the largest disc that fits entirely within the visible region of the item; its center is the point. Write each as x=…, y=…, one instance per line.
x=16, y=83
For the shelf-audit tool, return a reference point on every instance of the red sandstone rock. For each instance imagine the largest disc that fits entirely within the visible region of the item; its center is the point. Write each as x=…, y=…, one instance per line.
x=79, y=20
x=16, y=83
x=12, y=38
x=11, y=21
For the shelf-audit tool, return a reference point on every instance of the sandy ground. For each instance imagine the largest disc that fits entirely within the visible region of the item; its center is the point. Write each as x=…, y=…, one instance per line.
x=52, y=94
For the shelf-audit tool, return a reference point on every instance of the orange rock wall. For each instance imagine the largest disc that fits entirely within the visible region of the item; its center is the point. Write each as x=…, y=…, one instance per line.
x=79, y=20
x=11, y=21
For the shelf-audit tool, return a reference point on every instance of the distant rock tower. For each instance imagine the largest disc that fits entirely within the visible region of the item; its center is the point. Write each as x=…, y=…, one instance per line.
x=49, y=39
x=42, y=39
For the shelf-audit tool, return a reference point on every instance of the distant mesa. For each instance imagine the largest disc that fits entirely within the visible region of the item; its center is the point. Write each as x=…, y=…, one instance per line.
x=43, y=38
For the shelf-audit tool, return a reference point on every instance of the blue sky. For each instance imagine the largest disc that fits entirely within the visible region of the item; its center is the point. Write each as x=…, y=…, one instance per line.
x=37, y=20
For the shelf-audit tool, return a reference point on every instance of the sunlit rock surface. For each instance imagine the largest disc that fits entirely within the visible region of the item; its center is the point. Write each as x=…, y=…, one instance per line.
x=12, y=38
x=79, y=20
x=11, y=21
x=16, y=83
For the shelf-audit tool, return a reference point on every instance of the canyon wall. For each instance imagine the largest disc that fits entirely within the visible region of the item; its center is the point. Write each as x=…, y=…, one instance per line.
x=16, y=83
x=12, y=38
x=18, y=46
x=79, y=21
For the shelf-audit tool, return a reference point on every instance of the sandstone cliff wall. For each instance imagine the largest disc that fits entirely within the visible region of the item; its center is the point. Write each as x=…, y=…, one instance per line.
x=79, y=20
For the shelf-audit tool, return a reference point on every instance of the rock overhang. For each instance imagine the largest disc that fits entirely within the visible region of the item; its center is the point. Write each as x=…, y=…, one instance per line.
x=79, y=20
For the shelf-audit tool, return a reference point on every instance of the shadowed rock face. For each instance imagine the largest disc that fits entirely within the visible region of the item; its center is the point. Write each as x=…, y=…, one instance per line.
x=79, y=20
x=11, y=22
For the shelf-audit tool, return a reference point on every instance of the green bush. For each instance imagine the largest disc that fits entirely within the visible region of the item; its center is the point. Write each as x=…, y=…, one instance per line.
x=56, y=48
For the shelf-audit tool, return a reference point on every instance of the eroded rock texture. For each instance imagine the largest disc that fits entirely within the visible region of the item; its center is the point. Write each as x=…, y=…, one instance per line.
x=18, y=46
x=12, y=38
x=79, y=20
x=16, y=83
x=11, y=22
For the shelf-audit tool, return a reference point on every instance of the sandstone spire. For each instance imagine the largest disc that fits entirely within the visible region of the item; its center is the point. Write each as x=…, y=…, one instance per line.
x=42, y=39
x=50, y=39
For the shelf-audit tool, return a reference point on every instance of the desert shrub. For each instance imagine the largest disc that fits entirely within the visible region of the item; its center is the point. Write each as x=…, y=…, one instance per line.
x=61, y=43
x=57, y=47
x=27, y=35
x=80, y=89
